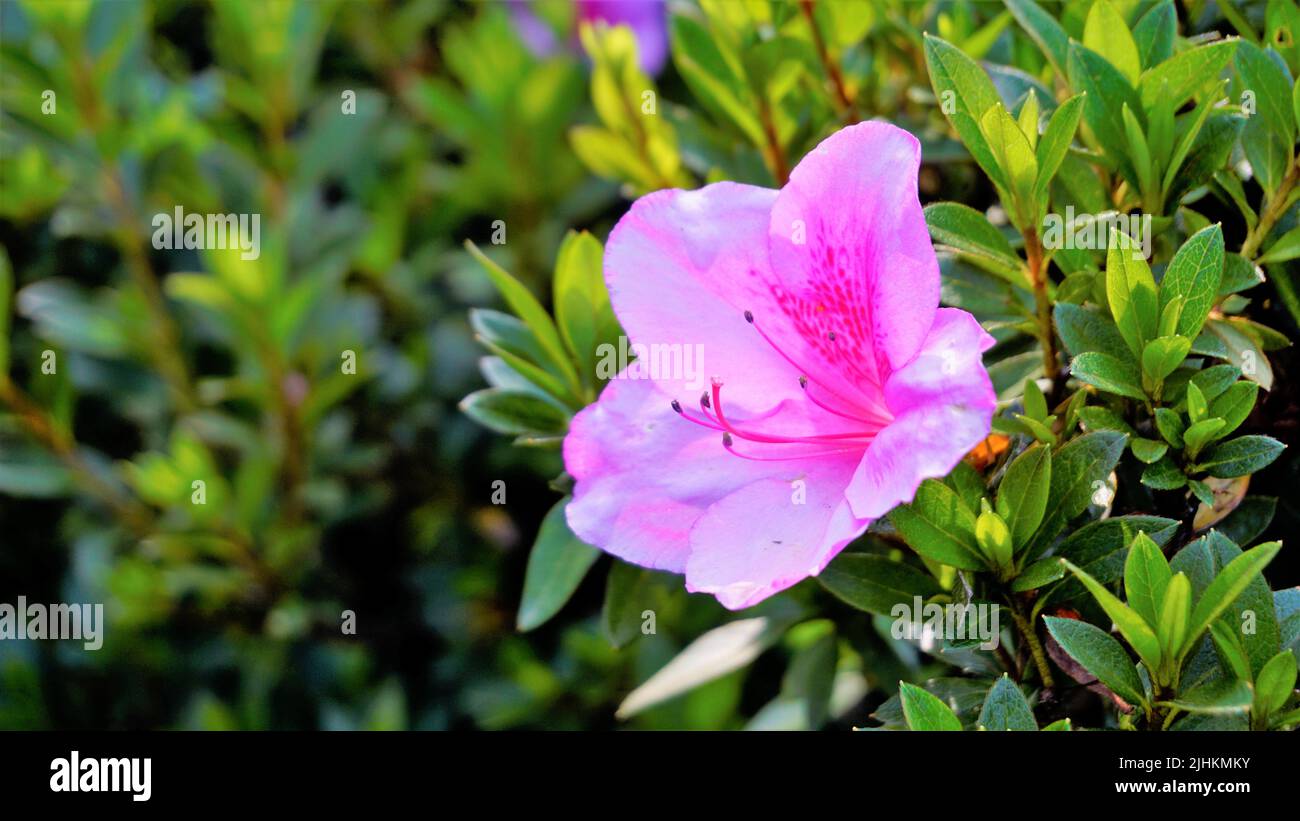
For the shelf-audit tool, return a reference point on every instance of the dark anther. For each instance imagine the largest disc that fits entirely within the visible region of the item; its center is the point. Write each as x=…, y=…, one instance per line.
x=749, y=317
x=726, y=440
x=677, y=406
x=831, y=335
x=704, y=400
x=803, y=382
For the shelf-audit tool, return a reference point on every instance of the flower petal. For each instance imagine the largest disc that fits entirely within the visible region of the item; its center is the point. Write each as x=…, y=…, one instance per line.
x=853, y=257
x=644, y=474
x=682, y=268
x=943, y=403
x=759, y=540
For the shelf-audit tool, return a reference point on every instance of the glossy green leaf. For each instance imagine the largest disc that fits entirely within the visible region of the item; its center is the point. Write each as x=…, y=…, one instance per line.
x=1006, y=708
x=1194, y=275
x=925, y=712
x=1240, y=456
x=938, y=525
x=1099, y=654
x=1022, y=496
x=1227, y=585
x=876, y=584
x=556, y=566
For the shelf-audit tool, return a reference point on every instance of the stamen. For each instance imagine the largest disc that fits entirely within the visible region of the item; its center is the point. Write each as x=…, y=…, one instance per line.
x=749, y=317
x=756, y=436
x=729, y=445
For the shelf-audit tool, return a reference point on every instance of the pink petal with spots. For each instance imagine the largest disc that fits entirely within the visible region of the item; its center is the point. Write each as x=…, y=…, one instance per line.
x=852, y=256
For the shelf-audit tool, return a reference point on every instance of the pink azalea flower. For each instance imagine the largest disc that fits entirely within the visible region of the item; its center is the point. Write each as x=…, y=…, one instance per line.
x=837, y=383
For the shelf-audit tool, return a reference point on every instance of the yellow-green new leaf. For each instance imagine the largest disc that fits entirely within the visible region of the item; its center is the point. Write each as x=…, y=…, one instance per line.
x=1131, y=291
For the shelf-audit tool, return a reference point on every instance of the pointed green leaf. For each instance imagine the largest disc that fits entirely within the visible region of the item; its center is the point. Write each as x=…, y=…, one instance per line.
x=925, y=712
x=1194, y=275
x=1007, y=709
x=1223, y=591
x=556, y=566
x=1140, y=635
x=1131, y=291
x=1146, y=575
x=1022, y=496
x=1099, y=654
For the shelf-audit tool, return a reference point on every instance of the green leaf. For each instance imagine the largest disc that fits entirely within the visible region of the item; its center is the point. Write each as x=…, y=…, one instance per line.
x=1223, y=591
x=1140, y=635
x=1230, y=649
x=1108, y=92
x=1163, y=355
x=1100, y=655
x=1055, y=143
x=938, y=525
x=1284, y=249
x=1102, y=546
x=1139, y=153
x=1275, y=683
x=1076, y=467
x=1022, y=496
x=582, y=307
x=1096, y=417
x=1148, y=451
x=1154, y=34
x=1240, y=456
x=712, y=79
x=1197, y=408
x=1044, y=30
x=1213, y=381
x=1038, y=574
x=1108, y=374
x=994, y=538
x=1194, y=275
x=1182, y=75
x=1234, y=405
x=1170, y=425
x=515, y=412
x=1175, y=611
x=1006, y=708
x=876, y=584
x=925, y=712
x=1131, y=291
x=1014, y=155
x=527, y=308
x=631, y=591
x=972, y=94
x=1164, y=475
x=1268, y=137
x=1146, y=575
x=974, y=238
x=1086, y=329
x=1203, y=151
x=720, y=651
x=1218, y=697
x=556, y=566
x=1201, y=434
x=1106, y=33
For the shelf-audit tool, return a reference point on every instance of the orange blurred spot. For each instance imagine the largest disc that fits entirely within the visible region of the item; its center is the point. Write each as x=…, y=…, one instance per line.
x=988, y=451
